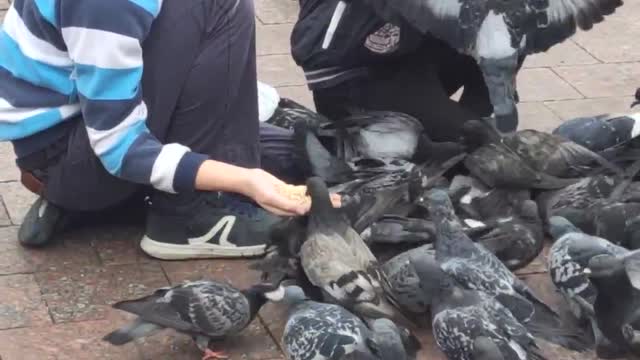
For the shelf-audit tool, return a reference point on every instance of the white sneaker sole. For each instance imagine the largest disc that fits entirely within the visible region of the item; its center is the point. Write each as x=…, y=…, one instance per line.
x=167, y=251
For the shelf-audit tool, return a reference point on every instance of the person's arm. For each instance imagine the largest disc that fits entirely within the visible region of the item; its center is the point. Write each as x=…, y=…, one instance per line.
x=104, y=41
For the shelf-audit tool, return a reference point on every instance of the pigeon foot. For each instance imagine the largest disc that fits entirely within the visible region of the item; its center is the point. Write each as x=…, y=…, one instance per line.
x=214, y=355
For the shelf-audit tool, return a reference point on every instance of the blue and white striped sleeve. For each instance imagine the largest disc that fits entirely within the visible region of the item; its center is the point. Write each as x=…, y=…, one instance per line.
x=104, y=41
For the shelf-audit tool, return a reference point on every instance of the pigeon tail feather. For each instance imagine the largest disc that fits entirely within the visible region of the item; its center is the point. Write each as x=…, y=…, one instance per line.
x=547, y=325
x=134, y=330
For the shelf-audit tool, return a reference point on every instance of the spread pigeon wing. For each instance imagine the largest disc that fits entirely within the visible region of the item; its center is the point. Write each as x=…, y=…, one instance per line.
x=564, y=17
x=441, y=18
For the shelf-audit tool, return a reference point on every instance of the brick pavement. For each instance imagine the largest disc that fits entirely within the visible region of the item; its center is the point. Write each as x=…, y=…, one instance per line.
x=54, y=303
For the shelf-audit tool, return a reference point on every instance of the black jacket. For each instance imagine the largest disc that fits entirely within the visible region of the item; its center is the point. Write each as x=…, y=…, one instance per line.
x=361, y=40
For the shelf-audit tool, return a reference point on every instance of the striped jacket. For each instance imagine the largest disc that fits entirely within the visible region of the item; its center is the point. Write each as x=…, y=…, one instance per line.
x=64, y=58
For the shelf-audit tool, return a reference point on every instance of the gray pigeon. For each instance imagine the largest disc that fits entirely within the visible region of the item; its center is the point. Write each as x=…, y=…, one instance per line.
x=476, y=268
x=323, y=331
x=394, y=229
x=568, y=258
x=470, y=324
x=404, y=281
x=498, y=34
x=602, y=132
x=617, y=281
x=206, y=310
x=336, y=259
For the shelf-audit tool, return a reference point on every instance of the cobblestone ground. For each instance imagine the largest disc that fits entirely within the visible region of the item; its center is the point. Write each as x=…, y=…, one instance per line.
x=55, y=303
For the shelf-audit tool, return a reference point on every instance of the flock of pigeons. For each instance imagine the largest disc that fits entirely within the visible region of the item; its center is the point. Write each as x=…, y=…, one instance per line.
x=460, y=217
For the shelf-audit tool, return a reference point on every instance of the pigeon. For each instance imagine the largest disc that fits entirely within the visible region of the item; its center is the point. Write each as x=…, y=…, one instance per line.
x=498, y=35
x=476, y=268
x=322, y=331
x=498, y=165
x=336, y=259
x=393, y=229
x=318, y=161
x=602, y=132
x=470, y=324
x=546, y=153
x=290, y=112
x=617, y=282
x=636, y=101
x=573, y=201
x=207, y=310
x=616, y=216
x=404, y=281
x=376, y=134
x=568, y=258
x=517, y=239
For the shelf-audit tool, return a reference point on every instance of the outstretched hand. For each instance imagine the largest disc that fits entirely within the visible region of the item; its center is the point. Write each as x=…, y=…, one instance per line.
x=265, y=189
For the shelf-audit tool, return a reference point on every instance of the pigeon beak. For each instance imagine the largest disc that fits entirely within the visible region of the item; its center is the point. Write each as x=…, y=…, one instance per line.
x=500, y=75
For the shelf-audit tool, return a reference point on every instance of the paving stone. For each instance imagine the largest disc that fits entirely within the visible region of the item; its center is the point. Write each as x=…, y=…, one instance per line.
x=539, y=264
x=119, y=245
x=8, y=168
x=4, y=4
x=274, y=316
x=569, y=109
x=74, y=341
x=615, y=39
x=14, y=259
x=273, y=39
x=69, y=250
x=86, y=293
x=535, y=115
x=21, y=304
x=17, y=199
x=252, y=343
x=430, y=350
x=300, y=94
x=234, y=272
x=543, y=84
x=276, y=11
x=566, y=53
x=4, y=215
x=602, y=80
x=279, y=70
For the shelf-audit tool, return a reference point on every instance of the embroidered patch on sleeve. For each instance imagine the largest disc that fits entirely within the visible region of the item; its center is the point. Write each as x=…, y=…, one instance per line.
x=385, y=40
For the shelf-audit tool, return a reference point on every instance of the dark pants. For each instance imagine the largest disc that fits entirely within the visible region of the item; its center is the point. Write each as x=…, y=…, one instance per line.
x=200, y=87
x=419, y=84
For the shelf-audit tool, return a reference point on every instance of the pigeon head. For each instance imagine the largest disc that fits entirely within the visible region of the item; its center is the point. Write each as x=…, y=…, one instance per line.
x=485, y=348
x=390, y=341
x=293, y=294
x=475, y=133
x=560, y=226
x=637, y=98
x=529, y=210
x=604, y=265
x=439, y=204
x=432, y=278
x=322, y=213
x=500, y=76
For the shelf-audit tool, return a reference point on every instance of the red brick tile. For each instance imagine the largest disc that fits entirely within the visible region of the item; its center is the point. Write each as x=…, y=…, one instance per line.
x=118, y=245
x=73, y=341
x=539, y=264
x=21, y=304
x=86, y=293
x=14, y=259
x=70, y=249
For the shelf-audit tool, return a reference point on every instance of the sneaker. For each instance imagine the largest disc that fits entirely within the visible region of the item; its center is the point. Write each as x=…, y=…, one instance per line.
x=205, y=225
x=40, y=223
